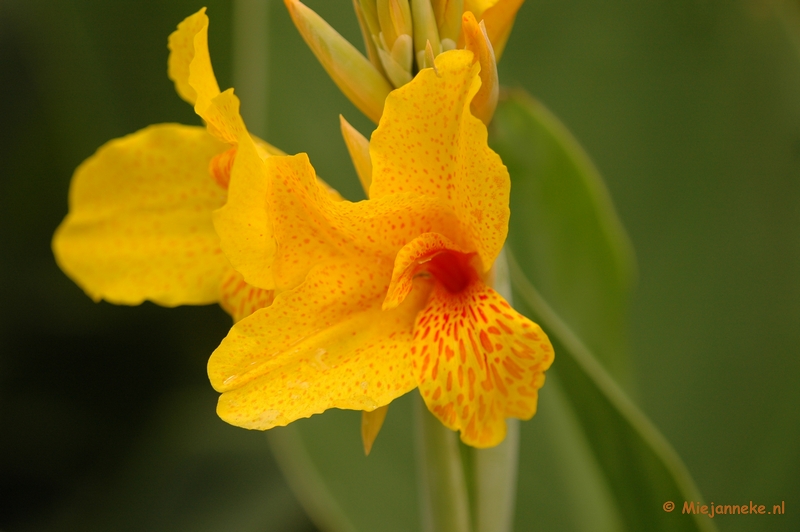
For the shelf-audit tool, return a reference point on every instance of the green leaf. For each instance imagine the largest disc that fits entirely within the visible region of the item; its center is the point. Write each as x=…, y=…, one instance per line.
x=642, y=470
x=564, y=229
x=578, y=270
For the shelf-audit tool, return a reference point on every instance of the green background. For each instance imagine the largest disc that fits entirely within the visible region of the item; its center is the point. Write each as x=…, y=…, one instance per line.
x=690, y=109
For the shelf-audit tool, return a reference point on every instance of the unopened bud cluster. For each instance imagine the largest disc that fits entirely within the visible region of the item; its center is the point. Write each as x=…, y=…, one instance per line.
x=397, y=32
x=403, y=37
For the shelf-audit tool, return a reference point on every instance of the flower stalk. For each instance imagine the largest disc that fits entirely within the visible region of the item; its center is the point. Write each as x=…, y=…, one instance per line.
x=444, y=501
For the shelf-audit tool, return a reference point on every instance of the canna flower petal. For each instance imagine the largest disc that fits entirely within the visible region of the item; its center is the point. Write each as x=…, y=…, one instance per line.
x=498, y=15
x=189, y=66
x=140, y=223
x=280, y=221
x=139, y=226
x=240, y=299
x=182, y=54
x=476, y=360
x=428, y=142
x=326, y=344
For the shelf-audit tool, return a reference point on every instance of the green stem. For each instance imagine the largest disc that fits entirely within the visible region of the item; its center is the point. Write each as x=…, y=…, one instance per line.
x=495, y=469
x=251, y=61
x=443, y=488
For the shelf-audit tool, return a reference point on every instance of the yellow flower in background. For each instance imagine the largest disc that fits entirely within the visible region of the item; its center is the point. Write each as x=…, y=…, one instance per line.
x=139, y=224
x=376, y=298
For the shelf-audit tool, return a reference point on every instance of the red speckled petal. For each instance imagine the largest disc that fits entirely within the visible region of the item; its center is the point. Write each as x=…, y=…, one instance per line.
x=428, y=142
x=280, y=221
x=325, y=344
x=240, y=299
x=478, y=361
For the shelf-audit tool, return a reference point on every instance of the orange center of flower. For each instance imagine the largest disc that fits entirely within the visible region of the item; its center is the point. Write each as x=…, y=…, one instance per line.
x=451, y=269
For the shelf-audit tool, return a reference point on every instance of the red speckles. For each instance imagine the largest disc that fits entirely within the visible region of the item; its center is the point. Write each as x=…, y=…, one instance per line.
x=486, y=384
x=487, y=345
x=506, y=328
x=449, y=353
x=471, y=379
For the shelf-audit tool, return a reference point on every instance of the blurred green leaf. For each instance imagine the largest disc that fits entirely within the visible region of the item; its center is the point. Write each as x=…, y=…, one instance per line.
x=186, y=472
x=641, y=468
x=564, y=229
x=566, y=233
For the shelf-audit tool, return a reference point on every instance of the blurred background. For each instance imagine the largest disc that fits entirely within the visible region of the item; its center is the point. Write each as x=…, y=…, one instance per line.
x=689, y=108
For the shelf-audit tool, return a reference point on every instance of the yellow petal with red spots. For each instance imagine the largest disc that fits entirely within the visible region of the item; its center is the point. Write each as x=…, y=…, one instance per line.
x=428, y=142
x=499, y=17
x=478, y=361
x=139, y=223
x=325, y=344
x=309, y=227
x=240, y=299
x=280, y=221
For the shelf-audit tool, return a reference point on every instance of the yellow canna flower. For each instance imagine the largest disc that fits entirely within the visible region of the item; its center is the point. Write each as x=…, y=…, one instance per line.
x=139, y=225
x=378, y=297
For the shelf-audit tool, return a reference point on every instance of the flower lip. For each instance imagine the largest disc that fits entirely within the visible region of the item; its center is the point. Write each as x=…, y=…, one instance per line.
x=450, y=268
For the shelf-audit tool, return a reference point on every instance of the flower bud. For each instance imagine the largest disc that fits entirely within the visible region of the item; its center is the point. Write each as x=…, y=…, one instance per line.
x=367, y=33
x=425, y=30
x=355, y=76
x=395, y=43
x=498, y=15
x=358, y=148
x=395, y=20
x=398, y=61
x=477, y=41
x=448, y=19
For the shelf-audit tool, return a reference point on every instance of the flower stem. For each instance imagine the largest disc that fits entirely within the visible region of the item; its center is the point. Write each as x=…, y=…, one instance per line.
x=495, y=469
x=443, y=488
x=251, y=61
